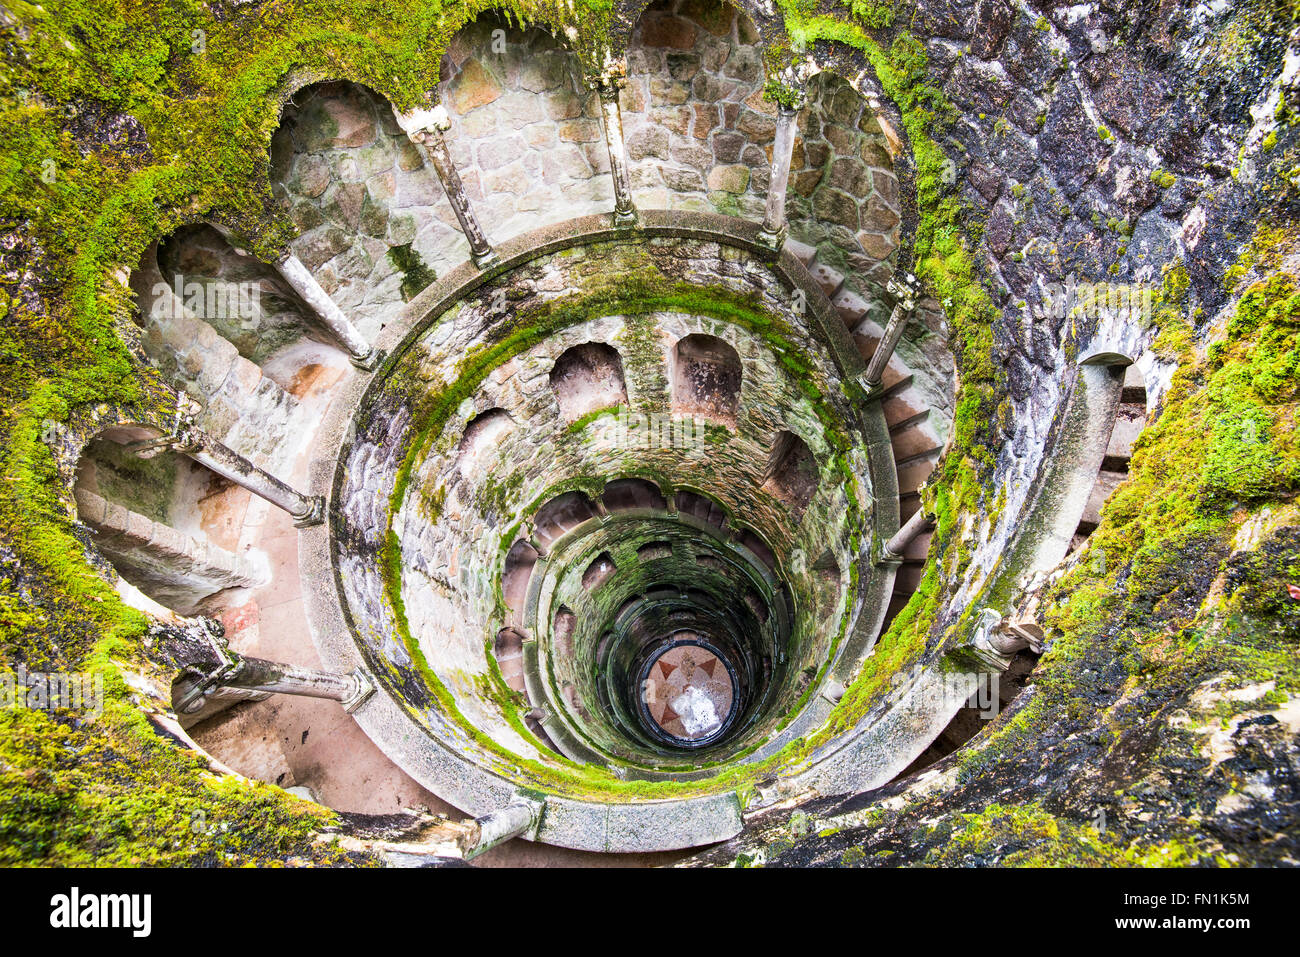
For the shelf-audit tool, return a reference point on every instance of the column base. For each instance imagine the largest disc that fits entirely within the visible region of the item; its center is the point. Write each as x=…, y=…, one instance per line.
x=871, y=391
x=365, y=688
x=368, y=361
x=624, y=220
x=884, y=558
x=315, y=516
x=774, y=241
x=485, y=260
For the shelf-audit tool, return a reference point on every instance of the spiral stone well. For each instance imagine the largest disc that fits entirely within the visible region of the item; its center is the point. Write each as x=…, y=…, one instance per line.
x=650, y=449
x=642, y=426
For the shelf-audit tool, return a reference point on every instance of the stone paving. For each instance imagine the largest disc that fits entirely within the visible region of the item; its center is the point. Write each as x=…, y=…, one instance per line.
x=688, y=692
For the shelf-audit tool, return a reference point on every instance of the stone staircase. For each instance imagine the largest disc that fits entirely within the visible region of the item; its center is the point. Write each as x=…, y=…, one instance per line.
x=915, y=428
x=1130, y=420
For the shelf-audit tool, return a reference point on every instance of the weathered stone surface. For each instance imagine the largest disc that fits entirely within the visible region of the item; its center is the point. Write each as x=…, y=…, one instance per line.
x=836, y=207
x=729, y=179
x=714, y=17
x=992, y=24
x=875, y=245
x=667, y=31
x=311, y=175
x=472, y=88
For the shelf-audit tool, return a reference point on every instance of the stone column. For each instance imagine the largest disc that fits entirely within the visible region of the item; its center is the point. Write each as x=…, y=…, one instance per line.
x=256, y=679
x=893, y=550
x=774, y=224
x=906, y=296
x=425, y=128
x=607, y=87
x=207, y=451
x=298, y=276
x=521, y=816
x=259, y=676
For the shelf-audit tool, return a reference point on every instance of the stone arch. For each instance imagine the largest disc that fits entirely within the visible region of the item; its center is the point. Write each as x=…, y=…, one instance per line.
x=697, y=127
x=168, y=526
x=758, y=546
x=238, y=295
x=630, y=493
x=239, y=403
x=1130, y=421
x=791, y=476
x=653, y=551
x=525, y=130
x=508, y=649
x=374, y=226
x=562, y=629
x=515, y=577
x=701, y=507
x=586, y=378
x=483, y=434
x=561, y=515
x=844, y=196
x=598, y=572
x=706, y=377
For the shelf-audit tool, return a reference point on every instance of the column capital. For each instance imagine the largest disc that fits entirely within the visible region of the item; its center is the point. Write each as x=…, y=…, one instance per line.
x=610, y=79
x=788, y=87
x=188, y=437
x=789, y=100
x=365, y=687
x=904, y=289
x=419, y=124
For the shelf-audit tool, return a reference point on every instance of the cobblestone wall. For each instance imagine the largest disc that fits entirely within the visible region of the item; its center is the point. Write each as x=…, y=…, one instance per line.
x=525, y=129
x=357, y=189
x=699, y=133
x=843, y=197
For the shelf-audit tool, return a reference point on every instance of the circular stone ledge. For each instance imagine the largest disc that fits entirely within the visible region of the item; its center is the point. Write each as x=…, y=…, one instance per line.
x=442, y=762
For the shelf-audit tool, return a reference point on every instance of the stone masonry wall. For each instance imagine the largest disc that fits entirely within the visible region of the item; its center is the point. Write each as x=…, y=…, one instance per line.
x=453, y=526
x=699, y=133
x=525, y=129
x=357, y=189
x=844, y=198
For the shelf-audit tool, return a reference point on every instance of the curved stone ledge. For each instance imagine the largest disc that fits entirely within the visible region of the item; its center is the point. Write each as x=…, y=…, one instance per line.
x=444, y=763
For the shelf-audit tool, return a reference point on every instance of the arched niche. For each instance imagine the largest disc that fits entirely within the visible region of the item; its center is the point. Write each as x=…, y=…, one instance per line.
x=561, y=515
x=706, y=379
x=525, y=130
x=169, y=527
x=586, y=378
x=482, y=437
x=697, y=127
x=843, y=199
x=515, y=576
x=791, y=476
x=598, y=572
x=374, y=225
x=622, y=495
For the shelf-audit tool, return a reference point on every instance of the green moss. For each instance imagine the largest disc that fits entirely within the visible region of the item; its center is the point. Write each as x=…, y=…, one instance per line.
x=416, y=274
x=580, y=424
x=1224, y=440
x=113, y=793
x=1029, y=836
